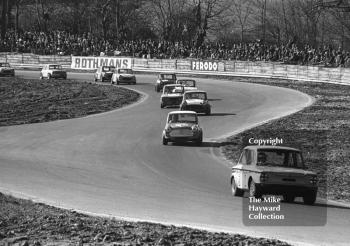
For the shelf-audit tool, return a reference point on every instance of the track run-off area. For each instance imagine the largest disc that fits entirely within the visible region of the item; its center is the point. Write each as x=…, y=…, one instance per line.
x=114, y=163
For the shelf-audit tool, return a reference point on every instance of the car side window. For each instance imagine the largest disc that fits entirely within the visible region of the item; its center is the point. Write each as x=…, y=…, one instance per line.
x=249, y=157
x=242, y=159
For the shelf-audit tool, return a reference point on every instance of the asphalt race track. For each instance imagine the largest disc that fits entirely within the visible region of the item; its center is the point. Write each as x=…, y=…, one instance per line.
x=115, y=164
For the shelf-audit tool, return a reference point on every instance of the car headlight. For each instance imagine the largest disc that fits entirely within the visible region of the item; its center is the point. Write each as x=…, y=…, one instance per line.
x=313, y=180
x=195, y=128
x=168, y=129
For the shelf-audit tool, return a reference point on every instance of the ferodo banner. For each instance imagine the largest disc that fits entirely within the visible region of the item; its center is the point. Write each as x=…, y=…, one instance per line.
x=86, y=62
x=205, y=65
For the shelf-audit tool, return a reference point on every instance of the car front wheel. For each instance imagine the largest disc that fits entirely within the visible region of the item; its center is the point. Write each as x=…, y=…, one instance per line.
x=165, y=141
x=254, y=190
x=48, y=76
x=235, y=190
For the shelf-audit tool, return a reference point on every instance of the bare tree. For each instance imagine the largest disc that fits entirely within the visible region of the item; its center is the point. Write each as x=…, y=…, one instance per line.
x=242, y=11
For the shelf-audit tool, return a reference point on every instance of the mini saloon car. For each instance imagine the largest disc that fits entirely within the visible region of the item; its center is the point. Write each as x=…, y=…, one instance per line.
x=171, y=96
x=6, y=69
x=197, y=101
x=104, y=73
x=54, y=71
x=123, y=75
x=182, y=126
x=164, y=79
x=189, y=84
x=273, y=170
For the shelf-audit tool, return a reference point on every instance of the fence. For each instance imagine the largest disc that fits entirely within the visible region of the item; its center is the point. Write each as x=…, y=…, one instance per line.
x=228, y=68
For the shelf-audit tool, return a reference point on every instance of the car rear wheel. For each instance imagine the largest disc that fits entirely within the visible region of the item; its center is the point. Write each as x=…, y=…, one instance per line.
x=310, y=198
x=48, y=76
x=199, y=141
x=235, y=190
x=254, y=190
x=95, y=79
x=288, y=198
x=165, y=141
x=118, y=82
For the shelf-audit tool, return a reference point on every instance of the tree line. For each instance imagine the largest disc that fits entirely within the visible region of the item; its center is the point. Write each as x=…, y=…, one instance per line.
x=314, y=22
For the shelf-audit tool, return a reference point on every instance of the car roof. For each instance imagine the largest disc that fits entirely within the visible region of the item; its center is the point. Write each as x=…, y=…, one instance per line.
x=255, y=147
x=195, y=91
x=177, y=85
x=182, y=112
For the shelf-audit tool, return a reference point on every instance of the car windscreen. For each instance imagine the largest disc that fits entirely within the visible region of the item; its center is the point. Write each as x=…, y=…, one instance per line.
x=108, y=69
x=168, y=76
x=179, y=118
x=4, y=65
x=125, y=71
x=196, y=95
x=280, y=158
x=55, y=67
x=189, y=83
x=173, y=89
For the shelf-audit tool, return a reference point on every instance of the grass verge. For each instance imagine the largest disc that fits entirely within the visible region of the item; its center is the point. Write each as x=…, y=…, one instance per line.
x=27, y=223
x=321, y=131
x=26, y=101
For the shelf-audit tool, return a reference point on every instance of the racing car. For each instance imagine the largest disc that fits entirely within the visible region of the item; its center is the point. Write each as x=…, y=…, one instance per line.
x=273, y=170
x=104, y=73
x=123, y=75
x=164, y=79
x=6, y=69
x=172, y=95
x=182, y=126
x=189, y=84
x=197, y=101
x=53, y=71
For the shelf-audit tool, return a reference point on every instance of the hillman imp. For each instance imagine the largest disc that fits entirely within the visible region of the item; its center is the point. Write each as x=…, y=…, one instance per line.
x=189, y=84
x=104, y=73
x=197, y=101
x=172, y=95
x=182, y=126
x=53, y=71
x=273, y=170
x=123, y=75
x=164, y=79
x=6, y=69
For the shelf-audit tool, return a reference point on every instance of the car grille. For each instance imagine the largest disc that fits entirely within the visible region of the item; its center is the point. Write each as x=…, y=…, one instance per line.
x=173, y=101
x=182, y=132
x=194, y=107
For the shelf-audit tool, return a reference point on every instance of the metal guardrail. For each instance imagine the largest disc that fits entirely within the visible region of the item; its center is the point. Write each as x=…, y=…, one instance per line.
x=227, y=68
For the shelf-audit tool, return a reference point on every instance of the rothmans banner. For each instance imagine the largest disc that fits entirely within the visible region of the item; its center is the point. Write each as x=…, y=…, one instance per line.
x=88, y=63
x=205, y=65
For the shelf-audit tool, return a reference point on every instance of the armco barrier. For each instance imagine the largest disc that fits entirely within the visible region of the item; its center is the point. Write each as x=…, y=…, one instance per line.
x=227, y=68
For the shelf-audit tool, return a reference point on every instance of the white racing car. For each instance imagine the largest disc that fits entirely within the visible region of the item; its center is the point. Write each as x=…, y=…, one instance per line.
x=171, y=96
x=197, y=101
x=6, y=69
x=189, y=84
x=273, y=170
x=182, y=126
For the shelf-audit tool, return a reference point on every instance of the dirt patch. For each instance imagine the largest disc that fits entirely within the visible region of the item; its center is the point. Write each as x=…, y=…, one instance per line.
x=28, y=223
x=31, y=101
x=321, y=131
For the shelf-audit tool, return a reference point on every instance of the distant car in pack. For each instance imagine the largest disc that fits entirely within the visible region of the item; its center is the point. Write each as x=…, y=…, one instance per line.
x=123, y=75
x=172, y=95
x=53, y=71
x=182, y=126
x=104, y=73
x=6, y=69
x=189, y=84
x=164, y=79
x=273, y=170
x=197, y=101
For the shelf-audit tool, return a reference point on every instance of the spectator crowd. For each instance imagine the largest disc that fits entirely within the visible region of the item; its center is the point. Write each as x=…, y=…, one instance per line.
x=63, y=43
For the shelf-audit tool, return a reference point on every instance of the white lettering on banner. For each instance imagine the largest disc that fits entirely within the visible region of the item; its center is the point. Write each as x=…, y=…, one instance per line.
x=205, y=65
x=87, y=63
